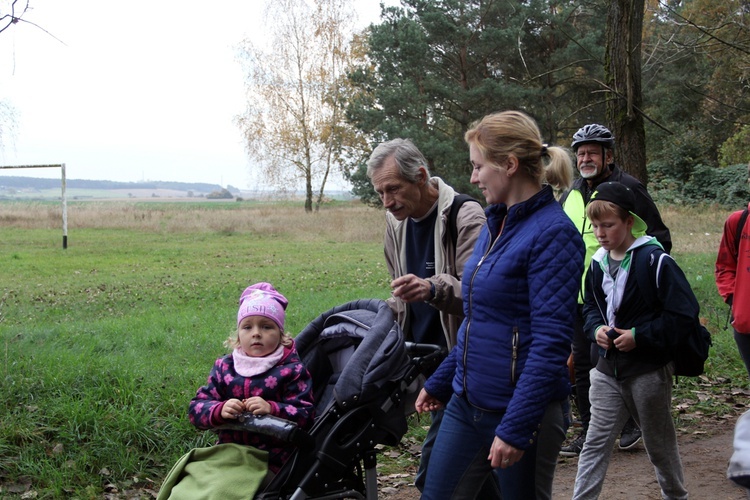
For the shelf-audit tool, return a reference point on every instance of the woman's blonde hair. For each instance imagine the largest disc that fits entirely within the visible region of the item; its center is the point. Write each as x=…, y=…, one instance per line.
x=514, y=133
x=233, y=341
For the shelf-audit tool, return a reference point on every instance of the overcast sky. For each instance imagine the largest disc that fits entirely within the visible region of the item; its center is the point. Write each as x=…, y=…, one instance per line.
x=131, y=90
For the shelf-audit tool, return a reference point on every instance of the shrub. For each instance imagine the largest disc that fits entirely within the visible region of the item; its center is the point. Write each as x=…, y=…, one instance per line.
x=726, y=187
x=736, y=148
x=224, y=194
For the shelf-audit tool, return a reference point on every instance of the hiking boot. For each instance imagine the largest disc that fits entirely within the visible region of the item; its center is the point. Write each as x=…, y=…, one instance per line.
x=573, y=449
x=630, y=435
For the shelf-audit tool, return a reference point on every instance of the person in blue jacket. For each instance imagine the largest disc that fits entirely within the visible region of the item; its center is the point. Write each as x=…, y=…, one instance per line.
x=504, y=384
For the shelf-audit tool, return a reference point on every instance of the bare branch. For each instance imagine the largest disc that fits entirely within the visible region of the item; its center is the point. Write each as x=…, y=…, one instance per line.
x=705, y=31
x=636, y=108
x=39, y=27
x=13, y=17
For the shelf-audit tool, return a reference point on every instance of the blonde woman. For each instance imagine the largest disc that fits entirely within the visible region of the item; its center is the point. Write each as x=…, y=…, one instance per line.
x=505, y=383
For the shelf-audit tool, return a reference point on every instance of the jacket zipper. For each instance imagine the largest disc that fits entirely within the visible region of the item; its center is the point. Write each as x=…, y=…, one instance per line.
x=604, y=316
x=581, y=294
x=514, y=356
x=469, y=318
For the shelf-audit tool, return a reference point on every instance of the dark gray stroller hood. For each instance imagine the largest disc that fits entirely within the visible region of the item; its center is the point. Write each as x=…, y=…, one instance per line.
x=362, y=376
x=360, y=345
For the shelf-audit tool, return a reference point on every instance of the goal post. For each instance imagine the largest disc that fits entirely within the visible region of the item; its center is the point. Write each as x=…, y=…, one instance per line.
x=61, y=166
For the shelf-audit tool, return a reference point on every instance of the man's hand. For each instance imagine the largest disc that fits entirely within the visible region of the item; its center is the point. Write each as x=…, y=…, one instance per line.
x=410, y=288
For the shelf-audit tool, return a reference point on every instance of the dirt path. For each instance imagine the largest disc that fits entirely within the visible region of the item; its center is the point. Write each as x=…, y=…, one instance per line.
x=630, y=475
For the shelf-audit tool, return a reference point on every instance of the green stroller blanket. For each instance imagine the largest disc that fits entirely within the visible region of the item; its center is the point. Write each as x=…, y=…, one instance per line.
x=221, y=472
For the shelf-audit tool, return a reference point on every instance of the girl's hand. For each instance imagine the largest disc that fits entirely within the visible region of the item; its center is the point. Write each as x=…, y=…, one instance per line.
x=232, y=409
x=503, y=455
x=425, y=402
x=257, y=406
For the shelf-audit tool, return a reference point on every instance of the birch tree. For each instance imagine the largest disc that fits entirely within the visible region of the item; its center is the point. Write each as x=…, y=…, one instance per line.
x=294, y=125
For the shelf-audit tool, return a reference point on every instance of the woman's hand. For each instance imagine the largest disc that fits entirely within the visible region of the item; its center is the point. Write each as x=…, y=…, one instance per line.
x=425, y=402
x=232, y=409
x=503, y=455
x=257, y=406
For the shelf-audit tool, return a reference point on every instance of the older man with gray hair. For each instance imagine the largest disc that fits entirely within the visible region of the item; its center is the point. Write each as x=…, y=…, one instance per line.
x=430, y=233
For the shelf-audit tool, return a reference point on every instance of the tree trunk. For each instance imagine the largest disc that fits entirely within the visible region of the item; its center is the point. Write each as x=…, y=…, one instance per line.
x=308, y=193
x=623, y=76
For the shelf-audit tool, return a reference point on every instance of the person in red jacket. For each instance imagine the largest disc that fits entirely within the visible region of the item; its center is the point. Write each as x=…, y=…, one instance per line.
x=733, y=278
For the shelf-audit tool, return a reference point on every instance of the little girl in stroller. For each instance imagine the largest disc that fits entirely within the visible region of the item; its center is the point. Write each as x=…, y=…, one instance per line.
x=263, y=375
x=363, y=377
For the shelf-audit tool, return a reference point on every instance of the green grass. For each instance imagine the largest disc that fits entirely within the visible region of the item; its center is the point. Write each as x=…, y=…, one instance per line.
x=105, y=343
x=714, y=394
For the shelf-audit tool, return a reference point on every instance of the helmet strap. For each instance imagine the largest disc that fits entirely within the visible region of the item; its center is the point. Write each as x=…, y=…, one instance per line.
x=605, y=173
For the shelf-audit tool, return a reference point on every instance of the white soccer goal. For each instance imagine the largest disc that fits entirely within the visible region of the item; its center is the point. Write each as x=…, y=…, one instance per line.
x=61, y=166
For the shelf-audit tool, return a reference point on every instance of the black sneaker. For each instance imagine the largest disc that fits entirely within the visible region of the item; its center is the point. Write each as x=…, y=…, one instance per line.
x=630, y=435
x=573, y=449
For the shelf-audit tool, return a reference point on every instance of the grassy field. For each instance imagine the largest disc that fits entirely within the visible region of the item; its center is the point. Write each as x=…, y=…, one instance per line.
x=104, y=343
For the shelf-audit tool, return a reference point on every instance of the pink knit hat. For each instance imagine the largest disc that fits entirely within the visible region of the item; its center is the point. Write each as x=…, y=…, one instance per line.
x=262, y=299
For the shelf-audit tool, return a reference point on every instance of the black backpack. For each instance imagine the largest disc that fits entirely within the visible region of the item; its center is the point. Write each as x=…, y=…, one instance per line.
x=691, y=350
x=458, y=200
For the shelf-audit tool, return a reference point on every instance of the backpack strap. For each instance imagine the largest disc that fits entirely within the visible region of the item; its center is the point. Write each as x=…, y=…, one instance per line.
x=737, y=238
x=458, y=200
x=738, y=234
x=690, y=352
x=643, y=261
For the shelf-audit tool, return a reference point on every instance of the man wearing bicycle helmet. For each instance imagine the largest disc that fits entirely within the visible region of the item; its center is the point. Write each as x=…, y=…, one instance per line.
x=593, y=146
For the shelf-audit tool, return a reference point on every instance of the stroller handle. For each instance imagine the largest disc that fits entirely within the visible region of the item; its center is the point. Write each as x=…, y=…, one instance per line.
x=415, y=349
x=426, y=356
x=269, y=425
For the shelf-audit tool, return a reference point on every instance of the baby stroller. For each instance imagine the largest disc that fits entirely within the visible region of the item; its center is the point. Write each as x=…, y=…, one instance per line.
x=365, y=379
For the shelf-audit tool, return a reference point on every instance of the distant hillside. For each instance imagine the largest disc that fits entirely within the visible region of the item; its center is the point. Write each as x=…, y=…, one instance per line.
x=16, y=188
x=35, y=183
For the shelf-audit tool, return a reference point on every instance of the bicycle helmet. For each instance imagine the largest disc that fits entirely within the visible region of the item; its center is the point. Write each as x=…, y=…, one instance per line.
x=594, y=133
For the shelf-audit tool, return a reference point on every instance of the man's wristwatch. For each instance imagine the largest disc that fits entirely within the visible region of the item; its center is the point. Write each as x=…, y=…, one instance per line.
x=432, y=292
